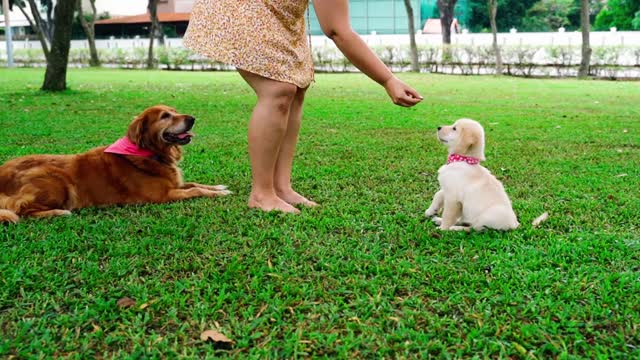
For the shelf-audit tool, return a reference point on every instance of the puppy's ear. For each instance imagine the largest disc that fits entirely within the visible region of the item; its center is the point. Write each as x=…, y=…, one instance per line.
x=137, y=129
x=466, y=141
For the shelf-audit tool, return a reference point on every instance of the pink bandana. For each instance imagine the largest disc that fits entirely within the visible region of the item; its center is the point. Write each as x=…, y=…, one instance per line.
x=460, y=158
x=124, y=146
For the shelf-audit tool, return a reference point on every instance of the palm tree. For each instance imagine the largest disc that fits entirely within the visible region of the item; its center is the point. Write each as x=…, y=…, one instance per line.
x=585, y=23
x=493, y=10
x=415, y=67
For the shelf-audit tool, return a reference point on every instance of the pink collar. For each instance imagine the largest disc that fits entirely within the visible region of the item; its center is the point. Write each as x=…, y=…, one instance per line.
x=461, y=158
x=124, y=146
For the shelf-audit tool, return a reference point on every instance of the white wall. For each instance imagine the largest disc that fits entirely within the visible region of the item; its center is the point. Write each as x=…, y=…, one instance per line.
x=627, y=38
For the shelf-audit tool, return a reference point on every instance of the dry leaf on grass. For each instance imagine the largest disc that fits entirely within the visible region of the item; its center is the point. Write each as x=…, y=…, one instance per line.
x=622, y=175
x=126, y=302
x=540, y=219
x=218, y=339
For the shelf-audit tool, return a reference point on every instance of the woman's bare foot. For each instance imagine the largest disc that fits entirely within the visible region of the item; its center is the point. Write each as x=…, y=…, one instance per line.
x=294, y=198
x=271, y=203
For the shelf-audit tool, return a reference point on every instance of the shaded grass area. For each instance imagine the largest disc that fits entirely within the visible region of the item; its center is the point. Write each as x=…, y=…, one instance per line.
x=364, y=276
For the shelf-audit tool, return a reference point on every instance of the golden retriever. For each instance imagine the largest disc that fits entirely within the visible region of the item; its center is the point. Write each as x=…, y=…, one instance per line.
x=51, y=185
x=471, y=196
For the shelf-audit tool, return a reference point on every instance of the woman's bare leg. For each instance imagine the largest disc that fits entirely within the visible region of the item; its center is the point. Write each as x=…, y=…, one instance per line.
x=266, y=132
x=284, y=164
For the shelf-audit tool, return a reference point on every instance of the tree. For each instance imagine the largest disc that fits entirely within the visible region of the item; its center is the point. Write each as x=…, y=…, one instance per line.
x=548, y=15
x=583, y=72
x=415, y=66
x=493, y=10
x=446, y=8
x=55, y=78
x=89, y=30
x=154, y=32
x=512, y=13
x=40, y=26
x=620, y=14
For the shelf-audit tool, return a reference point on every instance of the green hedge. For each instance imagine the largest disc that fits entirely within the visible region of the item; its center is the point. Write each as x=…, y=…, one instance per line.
x=462, y=59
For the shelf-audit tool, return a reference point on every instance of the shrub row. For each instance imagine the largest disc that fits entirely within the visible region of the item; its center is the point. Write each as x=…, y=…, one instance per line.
x=607, y=61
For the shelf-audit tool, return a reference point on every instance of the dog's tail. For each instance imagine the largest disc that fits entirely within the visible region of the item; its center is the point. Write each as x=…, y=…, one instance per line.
x=8, y=216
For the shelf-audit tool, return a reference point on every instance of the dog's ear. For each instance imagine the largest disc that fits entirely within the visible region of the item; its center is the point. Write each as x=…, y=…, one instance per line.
x=466, y=141
x=137, y=129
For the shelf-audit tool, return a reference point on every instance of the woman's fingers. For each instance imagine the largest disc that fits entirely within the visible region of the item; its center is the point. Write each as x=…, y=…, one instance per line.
x=413, y=93
x=401, y=93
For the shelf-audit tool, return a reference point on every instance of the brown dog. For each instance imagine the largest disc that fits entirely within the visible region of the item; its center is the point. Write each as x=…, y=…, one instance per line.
x=139, y=168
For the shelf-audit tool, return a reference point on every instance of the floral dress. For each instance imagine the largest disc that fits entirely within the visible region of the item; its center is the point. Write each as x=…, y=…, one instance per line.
x=264, y=37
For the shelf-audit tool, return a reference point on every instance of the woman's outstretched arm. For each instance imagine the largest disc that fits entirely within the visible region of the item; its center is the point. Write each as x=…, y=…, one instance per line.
x=334, y=21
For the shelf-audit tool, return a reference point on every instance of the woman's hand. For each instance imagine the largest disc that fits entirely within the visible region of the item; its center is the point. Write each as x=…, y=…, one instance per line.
x=400, y=93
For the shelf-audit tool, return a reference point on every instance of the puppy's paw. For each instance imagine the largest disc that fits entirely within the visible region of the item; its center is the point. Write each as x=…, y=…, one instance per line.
x=219, y=187
x=437, y=220
x=460, y=228
x=430, y=212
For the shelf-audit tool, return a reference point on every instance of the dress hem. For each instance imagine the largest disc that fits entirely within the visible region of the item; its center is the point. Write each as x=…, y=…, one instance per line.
x=216, y=57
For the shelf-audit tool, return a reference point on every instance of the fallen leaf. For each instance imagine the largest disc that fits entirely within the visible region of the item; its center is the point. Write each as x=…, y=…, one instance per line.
x=622, y=175
x=217, y=338
x=558, y=127
x=144, y=306
x=625, y=131
x=126, y=302
x=540, y=219
x=520, y=348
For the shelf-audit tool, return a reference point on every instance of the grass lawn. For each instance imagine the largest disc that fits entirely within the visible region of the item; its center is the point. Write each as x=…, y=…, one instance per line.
x=364, y=276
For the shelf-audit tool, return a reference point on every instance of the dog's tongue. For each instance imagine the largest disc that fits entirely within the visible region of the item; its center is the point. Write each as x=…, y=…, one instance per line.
x=185, y=135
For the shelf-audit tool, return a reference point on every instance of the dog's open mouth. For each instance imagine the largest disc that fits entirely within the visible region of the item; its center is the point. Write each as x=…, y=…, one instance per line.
x=179, y=138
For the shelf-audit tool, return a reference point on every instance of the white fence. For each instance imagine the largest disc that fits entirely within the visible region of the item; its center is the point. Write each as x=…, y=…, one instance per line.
x=615, y=54
x=599, y=38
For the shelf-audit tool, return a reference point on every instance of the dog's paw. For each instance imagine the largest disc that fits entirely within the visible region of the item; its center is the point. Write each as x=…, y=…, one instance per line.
x=219, y=187
x=223, y=192
x=460, y=228
x=430, y=212
x=437, y=220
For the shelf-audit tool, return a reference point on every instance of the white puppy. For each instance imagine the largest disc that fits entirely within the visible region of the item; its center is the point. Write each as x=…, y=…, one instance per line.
x=471, y=195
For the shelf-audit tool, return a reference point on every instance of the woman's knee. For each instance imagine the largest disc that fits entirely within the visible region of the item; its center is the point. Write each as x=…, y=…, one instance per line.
x=279, y=95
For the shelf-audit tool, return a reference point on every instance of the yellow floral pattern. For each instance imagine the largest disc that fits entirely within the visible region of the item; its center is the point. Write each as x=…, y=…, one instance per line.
x=265, y=37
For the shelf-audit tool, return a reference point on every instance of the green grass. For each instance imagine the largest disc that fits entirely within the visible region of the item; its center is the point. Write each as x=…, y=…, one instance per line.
x=364, y=276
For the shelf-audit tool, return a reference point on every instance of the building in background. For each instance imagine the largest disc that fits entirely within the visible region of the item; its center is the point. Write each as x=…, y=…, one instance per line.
x=172, y=14
x=376, y=16
x=367, y=17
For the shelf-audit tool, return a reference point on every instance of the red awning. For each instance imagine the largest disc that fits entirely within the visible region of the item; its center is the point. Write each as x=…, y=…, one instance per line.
x=146, y=18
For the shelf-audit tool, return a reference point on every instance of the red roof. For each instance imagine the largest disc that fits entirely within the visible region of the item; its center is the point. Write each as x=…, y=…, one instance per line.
x=146, y=18
x=433, y=26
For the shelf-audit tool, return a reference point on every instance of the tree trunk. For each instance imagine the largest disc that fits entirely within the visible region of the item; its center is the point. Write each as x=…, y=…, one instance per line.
x=55, y=78
x=153, y=12
x=446, y=8
x=39, y=27
x=585, y=63
x=493, y=11
x=415, y=66
x=89, y=30
x=49, y=25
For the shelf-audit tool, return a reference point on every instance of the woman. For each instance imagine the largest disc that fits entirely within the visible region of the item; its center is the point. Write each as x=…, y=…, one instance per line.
x=265, y=40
